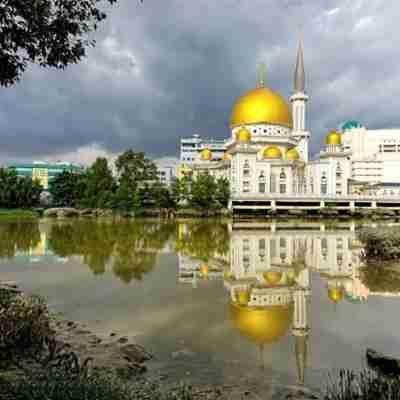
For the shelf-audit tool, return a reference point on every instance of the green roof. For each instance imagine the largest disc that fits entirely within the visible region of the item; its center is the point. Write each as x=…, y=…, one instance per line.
x=350, y=125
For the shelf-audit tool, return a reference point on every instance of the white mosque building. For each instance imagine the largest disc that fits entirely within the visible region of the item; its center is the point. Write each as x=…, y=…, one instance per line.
x=267, y=156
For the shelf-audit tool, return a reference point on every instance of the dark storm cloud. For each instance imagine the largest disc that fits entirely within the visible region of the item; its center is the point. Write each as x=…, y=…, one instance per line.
x=165, y=69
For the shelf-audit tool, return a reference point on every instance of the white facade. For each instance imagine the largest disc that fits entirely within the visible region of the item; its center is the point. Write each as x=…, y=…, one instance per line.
x=192, y=147
x=267, y=154
x=167, y=171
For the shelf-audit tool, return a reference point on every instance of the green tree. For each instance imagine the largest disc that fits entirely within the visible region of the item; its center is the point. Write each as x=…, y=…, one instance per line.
x=162, y=196
x=180, y=190
x=136, y=174
x=45, y=32
x=67, y=189
x=223, y=191
x=100, y=185
x=203, y=190
x=18, y=192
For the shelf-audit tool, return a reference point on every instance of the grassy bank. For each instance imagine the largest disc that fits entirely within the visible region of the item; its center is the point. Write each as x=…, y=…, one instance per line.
x=18, y=213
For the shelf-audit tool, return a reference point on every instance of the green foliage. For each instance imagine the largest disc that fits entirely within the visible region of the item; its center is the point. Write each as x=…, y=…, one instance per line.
x=223, y=191
x=203, y=190
x=378, y=279
x=366, y=385
x=381, y=244
x=47, y=33
x=24, y=325
x=67, y=189
x=18, y=192
x=162, y=196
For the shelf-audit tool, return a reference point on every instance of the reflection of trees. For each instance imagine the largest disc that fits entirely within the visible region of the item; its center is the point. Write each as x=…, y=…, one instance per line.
x=204, y=240
x=18, y=237
x=131, y=248
x=378, y=279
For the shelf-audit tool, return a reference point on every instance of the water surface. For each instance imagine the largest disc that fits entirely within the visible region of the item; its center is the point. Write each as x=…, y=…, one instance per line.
x=277, y=302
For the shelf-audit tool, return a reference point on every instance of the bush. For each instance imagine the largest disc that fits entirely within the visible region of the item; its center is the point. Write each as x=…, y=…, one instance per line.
x=382, y=244
x=366, y=385
x=24, y=326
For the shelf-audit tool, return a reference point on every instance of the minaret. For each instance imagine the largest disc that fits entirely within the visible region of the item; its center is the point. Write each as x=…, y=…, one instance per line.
x=299, y=100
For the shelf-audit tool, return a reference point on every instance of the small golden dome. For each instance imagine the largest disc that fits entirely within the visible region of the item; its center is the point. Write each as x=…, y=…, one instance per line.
x=204, y=270
x=226, y=157
x=333, y=137
x=206, y=155
x=243, y=297
x=227, y=274
x=335, y=294
x=262, y=325
x=261, y=105
x=243, y=135
x=292, y=154
x=272, y=277
x=271, y=152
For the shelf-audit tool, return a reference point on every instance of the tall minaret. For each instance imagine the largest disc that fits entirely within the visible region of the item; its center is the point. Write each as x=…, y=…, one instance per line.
x=299, y=100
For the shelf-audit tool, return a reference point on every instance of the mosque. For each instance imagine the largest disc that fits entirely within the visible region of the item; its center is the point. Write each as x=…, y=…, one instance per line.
x=268, y=164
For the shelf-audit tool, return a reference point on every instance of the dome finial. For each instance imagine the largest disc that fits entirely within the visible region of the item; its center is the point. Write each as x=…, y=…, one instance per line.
x=262, y=72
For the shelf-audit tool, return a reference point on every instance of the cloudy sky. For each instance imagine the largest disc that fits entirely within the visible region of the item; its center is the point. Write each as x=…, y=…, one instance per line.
x=164, y=69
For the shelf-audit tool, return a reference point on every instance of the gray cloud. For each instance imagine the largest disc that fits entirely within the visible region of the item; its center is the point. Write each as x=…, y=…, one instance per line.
x=165, y=69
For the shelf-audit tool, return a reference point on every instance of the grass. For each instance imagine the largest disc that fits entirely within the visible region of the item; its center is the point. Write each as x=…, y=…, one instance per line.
x=6, y=214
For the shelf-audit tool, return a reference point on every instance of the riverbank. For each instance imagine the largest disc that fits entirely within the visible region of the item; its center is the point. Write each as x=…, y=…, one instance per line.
x=120, y=356
x=6, y=214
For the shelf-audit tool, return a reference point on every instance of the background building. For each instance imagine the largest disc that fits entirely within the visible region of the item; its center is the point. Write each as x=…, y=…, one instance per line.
x=45, y=172
x=191, y=148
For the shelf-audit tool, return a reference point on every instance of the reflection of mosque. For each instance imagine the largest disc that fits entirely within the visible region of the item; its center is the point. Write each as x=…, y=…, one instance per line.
x=268, y=278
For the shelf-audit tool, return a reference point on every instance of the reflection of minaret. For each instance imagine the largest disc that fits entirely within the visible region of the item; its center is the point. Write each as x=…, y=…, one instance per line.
x=300, y=322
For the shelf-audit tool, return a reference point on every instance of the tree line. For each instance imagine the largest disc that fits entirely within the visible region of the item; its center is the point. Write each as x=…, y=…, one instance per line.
x=135, y=186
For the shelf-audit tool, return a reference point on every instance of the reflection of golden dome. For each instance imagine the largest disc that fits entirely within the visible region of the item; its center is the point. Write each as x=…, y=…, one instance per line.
x=272, y=277
x=262, y=325
x=226, y=157
x=243, y=135
x=227, y=274
x=261, y=105
x=333, y=137
x=204, y=270
x=271, y=152
x=243, y=297
x=335, y=294
x=292, y=154
x=206, y=155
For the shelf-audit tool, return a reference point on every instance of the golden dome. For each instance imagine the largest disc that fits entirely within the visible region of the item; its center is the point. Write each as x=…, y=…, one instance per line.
x=243, y=297
x=261, y=105
x=292, y=154
x=272, y=277
x=262, y=325
x=226, y=157
x=206, y=155
x=271, y=152
x=243, y=135
x=335, y=294
x=333, y=137
x=204, y=270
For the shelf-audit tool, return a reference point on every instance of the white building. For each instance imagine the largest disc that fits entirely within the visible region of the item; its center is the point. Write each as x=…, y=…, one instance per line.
x=266, y=157
x=167, y=170
x=191, y=148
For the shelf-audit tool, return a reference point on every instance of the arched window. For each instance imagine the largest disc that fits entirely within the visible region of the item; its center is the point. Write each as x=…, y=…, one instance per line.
x=282, y=182
x=246, y=169
x=324, y=184
x=261, y=182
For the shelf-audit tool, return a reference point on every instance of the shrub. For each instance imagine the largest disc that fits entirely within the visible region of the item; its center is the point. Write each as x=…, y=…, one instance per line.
x=24, y=326
x=366, y=385
x=382, y=243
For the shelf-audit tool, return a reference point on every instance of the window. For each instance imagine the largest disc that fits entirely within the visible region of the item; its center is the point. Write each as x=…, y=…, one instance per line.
x=282, y=182
x=324, y=184
x=246, y=187
x=261, y=182
x=246, y=169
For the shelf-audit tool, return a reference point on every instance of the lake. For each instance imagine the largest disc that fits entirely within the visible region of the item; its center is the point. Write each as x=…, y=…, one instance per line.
x=285, y=302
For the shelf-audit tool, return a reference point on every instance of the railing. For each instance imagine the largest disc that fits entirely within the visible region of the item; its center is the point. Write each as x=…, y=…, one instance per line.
x=352, y=197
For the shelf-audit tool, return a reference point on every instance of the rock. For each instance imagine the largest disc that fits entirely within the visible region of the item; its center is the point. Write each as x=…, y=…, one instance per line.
x=86, y=212
x=183, y=353
x=61, y=212
x=112, y=334
x=135, y=353
x=82, y=332
x=383, y=364
x=123, y=339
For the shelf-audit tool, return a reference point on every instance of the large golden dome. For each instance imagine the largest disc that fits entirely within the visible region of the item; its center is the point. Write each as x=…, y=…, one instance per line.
x=333, y=137
x=261, y=105
x=261, y=325
x=271, y=152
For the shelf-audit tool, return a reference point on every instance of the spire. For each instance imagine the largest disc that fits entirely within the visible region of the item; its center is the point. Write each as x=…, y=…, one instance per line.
x=299, y=75
x=261, y=75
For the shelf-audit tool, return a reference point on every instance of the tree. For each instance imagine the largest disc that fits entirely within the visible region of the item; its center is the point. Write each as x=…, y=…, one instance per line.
x=100, y=185
x=162, y=196
x=67, y=189
x=203, y=191
x=223, y=191
x=180, y=190
x=45, y=32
